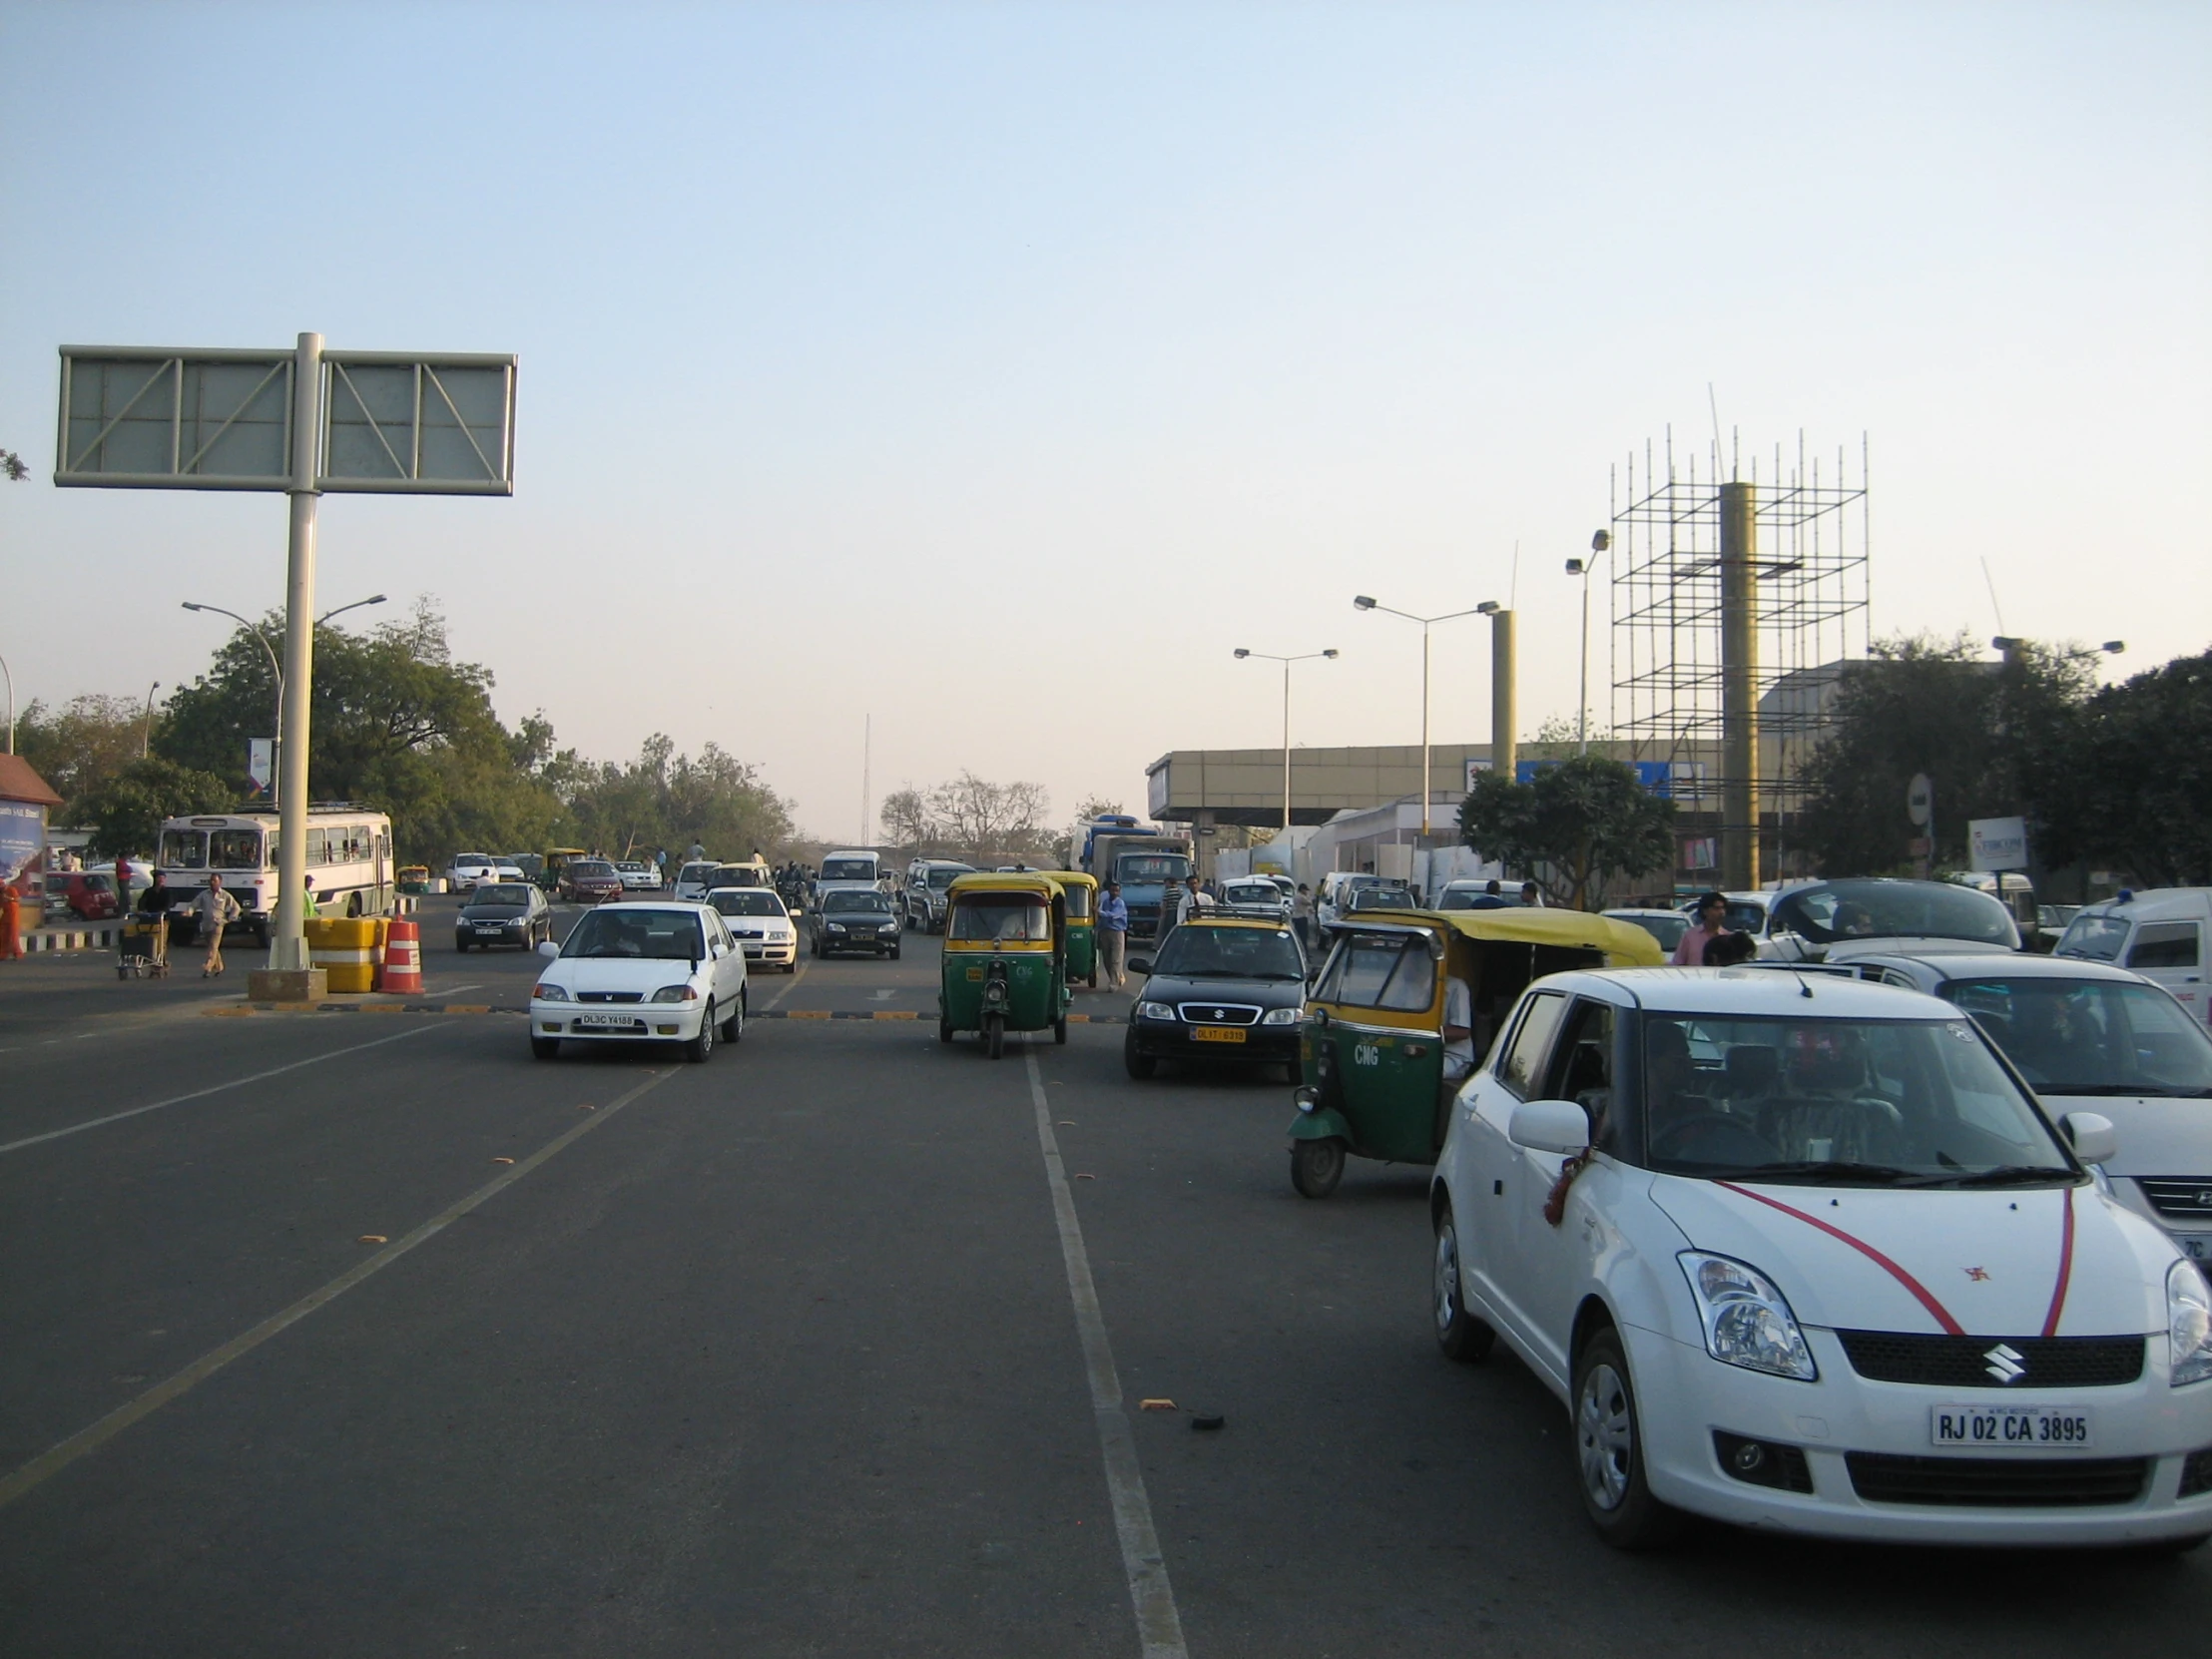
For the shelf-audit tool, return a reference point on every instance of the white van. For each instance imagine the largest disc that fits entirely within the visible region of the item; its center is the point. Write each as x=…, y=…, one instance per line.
x=848, y=872
x=2158, y=932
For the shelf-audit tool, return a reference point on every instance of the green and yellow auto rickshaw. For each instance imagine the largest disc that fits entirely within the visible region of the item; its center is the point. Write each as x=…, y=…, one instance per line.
x=555, y=862
x=1004, y=967
x=1082, y=897
x=1372, y=1048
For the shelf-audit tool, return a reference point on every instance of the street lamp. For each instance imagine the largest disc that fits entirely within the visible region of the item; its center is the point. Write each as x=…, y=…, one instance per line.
x=1602, y=542
x=1362, y=602
x=10, y=678
x=277, y=736
x=145, y=729
x=1269, y=656
x=372, y=599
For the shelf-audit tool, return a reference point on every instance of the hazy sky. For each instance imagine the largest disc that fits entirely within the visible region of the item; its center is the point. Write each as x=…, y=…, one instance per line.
x=999, y=368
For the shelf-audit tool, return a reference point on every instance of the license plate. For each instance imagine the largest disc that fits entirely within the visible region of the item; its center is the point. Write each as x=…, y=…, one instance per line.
x=1217, y=1033
x=2023, y=1428
x=2196, y=1246
x=606, y=1022
x=492, y=931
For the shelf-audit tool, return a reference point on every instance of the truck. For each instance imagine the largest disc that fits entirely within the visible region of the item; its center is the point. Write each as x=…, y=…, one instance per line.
x=1145, y=861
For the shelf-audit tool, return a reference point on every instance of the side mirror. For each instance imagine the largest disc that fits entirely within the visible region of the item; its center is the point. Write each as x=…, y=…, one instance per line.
x=2094, y=1139
x=1549, y=1126
x=1140, y=965
x=549, y=948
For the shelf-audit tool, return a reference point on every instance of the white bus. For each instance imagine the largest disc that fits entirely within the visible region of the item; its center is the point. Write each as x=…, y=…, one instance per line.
x=348, y=856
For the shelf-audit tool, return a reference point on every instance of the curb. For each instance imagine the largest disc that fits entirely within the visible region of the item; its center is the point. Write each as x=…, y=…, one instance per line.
x=71, y=939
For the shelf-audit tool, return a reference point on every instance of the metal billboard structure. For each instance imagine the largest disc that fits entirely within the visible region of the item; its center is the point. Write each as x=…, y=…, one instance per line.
x=306, y=423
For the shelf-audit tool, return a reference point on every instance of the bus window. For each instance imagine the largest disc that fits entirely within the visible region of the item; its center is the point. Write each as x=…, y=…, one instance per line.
x=234, y=850
x=184, y=850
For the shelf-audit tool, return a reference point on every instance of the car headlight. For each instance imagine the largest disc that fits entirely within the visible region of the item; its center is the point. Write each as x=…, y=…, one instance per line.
x=549, y=993
x=1282, y=1016
x=676, y=993
x=886, y=927
x=1747, y=1320
x=836, y=926
x=1154, y=1010
x=2188, y=1322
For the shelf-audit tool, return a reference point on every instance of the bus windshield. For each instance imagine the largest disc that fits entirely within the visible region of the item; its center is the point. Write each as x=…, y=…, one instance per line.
x=184, y=850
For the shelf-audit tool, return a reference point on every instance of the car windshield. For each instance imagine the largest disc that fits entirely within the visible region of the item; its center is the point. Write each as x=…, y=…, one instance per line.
x=1200, y=952
x=1916, y=1103
x=1252, y=893
x=2091, y=1036
x=940, y=879
x=1151, y=866
x=695, y=873
x=737, y=875
x=847, y=869
x=1382, y=898
x=1667, y=929
x=656, y=935
x=2095, y=938
x=747, y=901
x=997, y=917
x=490, y=898
x=837, y=902
x=1831, y=911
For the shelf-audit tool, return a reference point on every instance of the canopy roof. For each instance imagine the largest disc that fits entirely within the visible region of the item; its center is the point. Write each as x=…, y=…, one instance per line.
x=1626, y=945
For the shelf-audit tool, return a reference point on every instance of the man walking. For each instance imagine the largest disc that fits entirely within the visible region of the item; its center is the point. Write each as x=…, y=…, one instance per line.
x=216, y=910
x=152, y=910
x=1113, y=935
x=1302, y=917
x=1712, y=914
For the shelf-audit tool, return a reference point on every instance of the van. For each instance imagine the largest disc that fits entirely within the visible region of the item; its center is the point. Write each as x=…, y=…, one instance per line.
x=2159, y=933
x=844, y=870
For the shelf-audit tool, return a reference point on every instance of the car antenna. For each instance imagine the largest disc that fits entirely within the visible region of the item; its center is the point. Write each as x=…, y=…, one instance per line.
x=1804, y=988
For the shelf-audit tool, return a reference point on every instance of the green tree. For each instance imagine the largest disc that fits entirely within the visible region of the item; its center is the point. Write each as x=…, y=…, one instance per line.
x=1578, y=823
x=665, y=799
x=1921, y=704
x=82, y=745
x=2129, y=780
x=126, y=811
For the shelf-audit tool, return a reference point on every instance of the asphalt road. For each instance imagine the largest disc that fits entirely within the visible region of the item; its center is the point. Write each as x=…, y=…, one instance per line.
x=783, y=1355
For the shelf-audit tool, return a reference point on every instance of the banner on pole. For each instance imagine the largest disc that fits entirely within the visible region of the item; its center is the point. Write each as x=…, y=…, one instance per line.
x=261, y=763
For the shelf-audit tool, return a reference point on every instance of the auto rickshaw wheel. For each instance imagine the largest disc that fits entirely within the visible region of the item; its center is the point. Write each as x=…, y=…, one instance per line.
x=1094, y=979
x=944, y=1029
x=994, y=1034
x=1060, y=1030
x=1317, y=1167
x=1459, y=1334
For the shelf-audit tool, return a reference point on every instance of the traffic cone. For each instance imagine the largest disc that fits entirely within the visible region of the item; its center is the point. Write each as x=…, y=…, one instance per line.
x=404, y=956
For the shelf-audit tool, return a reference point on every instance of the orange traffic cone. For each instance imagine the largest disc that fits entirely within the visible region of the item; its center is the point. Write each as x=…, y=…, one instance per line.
x=404, y=956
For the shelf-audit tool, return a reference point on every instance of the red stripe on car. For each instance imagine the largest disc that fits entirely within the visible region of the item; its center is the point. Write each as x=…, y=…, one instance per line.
x=1920, y=1291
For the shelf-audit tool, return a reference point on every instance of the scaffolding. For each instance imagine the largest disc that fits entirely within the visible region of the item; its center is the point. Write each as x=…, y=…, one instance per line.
x=1735, y=604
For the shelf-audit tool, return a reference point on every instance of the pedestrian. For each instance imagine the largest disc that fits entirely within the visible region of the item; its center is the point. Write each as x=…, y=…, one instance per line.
x=1533, y=895
x=215, y=910
x=698, y=851
x=1113, y=935
x=1712, y=914
x=1301, y=917
x=122, y=879
x=1492, y=897
x=153, y=909
x=307, y=908
x=11, y=921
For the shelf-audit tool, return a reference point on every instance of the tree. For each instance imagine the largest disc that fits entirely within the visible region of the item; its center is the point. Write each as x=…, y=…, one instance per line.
x=980, y=819
x=2129, y=778
x=1918, y=705
x=665, y=800
x=905, y=818
x=83, y=746
x=126, y=811
x=1582, y=821
x=12, y=467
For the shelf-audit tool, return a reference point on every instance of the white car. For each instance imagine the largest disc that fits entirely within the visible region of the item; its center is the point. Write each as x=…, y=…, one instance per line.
x=762, y=925
x=630, y=970
x=693, y=880
x=2159, y=934
x=638, y=876
x=1828, y=1269
x=495, y=874
x=464, y=869
x=2094, y=1038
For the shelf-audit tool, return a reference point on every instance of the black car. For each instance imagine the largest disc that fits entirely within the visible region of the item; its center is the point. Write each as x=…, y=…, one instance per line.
x=1222, y=989
x=853, y=918
x=509, y=913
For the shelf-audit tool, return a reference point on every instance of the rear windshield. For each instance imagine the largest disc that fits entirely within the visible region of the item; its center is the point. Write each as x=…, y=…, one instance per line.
x=2091, y=1036
x=656, y=936
x=1838, y=911
x=940, y=879
x=508, y=894
x=850, y=901
x=987, y=918
x=747, y=901
x=737, y=875
x=849, y=870
x=1252, y=893
x=591, y=867
x=695, y=873
x=1380, y=970
x=1230, y=953
x=1667, y=929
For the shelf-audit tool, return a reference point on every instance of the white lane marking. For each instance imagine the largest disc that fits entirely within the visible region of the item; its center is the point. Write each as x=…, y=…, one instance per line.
x=1159, y=1626
x=883, y=995
x=56, y=1458
x=789, y=985
x=212, y=1088
x=449, y=990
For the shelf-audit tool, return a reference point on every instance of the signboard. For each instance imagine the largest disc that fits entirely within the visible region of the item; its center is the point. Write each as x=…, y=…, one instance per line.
x=135, y=418
x=1701, y=853
x=1920, y=799
x=22, y=836
x=1659, y=776
x=261, y=763
x=1995, y=844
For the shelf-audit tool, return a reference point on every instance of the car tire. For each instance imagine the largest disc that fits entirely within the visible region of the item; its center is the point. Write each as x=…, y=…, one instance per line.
x=460, y=946
x=733, y=1028
x=1317, y=1167
x=895, y=952
x=545, y=1048
x=1609, y=1450
x=700, y=1049
x=1458, y=1333
x=1139, y=1065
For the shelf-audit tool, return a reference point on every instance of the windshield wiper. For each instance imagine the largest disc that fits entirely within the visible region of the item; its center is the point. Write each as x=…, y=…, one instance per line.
x=2005, y=1175
x=1819, y=1172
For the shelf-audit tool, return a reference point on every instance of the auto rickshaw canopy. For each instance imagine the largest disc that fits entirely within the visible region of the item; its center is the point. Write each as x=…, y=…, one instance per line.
x=1624, y=944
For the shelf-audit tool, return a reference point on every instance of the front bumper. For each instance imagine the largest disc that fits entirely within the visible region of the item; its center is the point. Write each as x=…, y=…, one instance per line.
x=1175, y=1040
x=1683, y=1395
x=648, y=1021
x=772, y=951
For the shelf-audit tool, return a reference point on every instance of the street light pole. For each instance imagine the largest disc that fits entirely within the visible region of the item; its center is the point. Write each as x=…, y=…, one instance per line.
x=372, y=599
x=146, y=728
x=10, y=678
x=1600, y=543
x=1361, y=602
x=277, y=738
x=1307, y=657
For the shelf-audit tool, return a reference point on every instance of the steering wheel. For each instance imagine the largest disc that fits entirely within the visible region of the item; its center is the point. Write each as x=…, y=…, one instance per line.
x=1733, y=1140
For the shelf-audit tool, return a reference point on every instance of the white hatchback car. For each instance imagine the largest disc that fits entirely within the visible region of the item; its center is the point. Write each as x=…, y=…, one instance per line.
x=1825, y=1268
x=636, y=970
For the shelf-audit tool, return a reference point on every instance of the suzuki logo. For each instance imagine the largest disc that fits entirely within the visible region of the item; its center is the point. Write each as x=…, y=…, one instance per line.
x=2004, y=1363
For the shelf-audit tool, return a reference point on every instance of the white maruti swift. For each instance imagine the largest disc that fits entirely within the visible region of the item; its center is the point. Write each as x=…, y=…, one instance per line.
x=631, y=970
x=1805, y=1252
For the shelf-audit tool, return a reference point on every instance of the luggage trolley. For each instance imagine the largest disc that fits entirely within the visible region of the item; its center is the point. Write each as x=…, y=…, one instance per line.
x=134, y=956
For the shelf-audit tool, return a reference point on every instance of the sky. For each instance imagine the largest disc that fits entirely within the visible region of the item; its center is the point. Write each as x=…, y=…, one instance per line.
x=981, y=376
